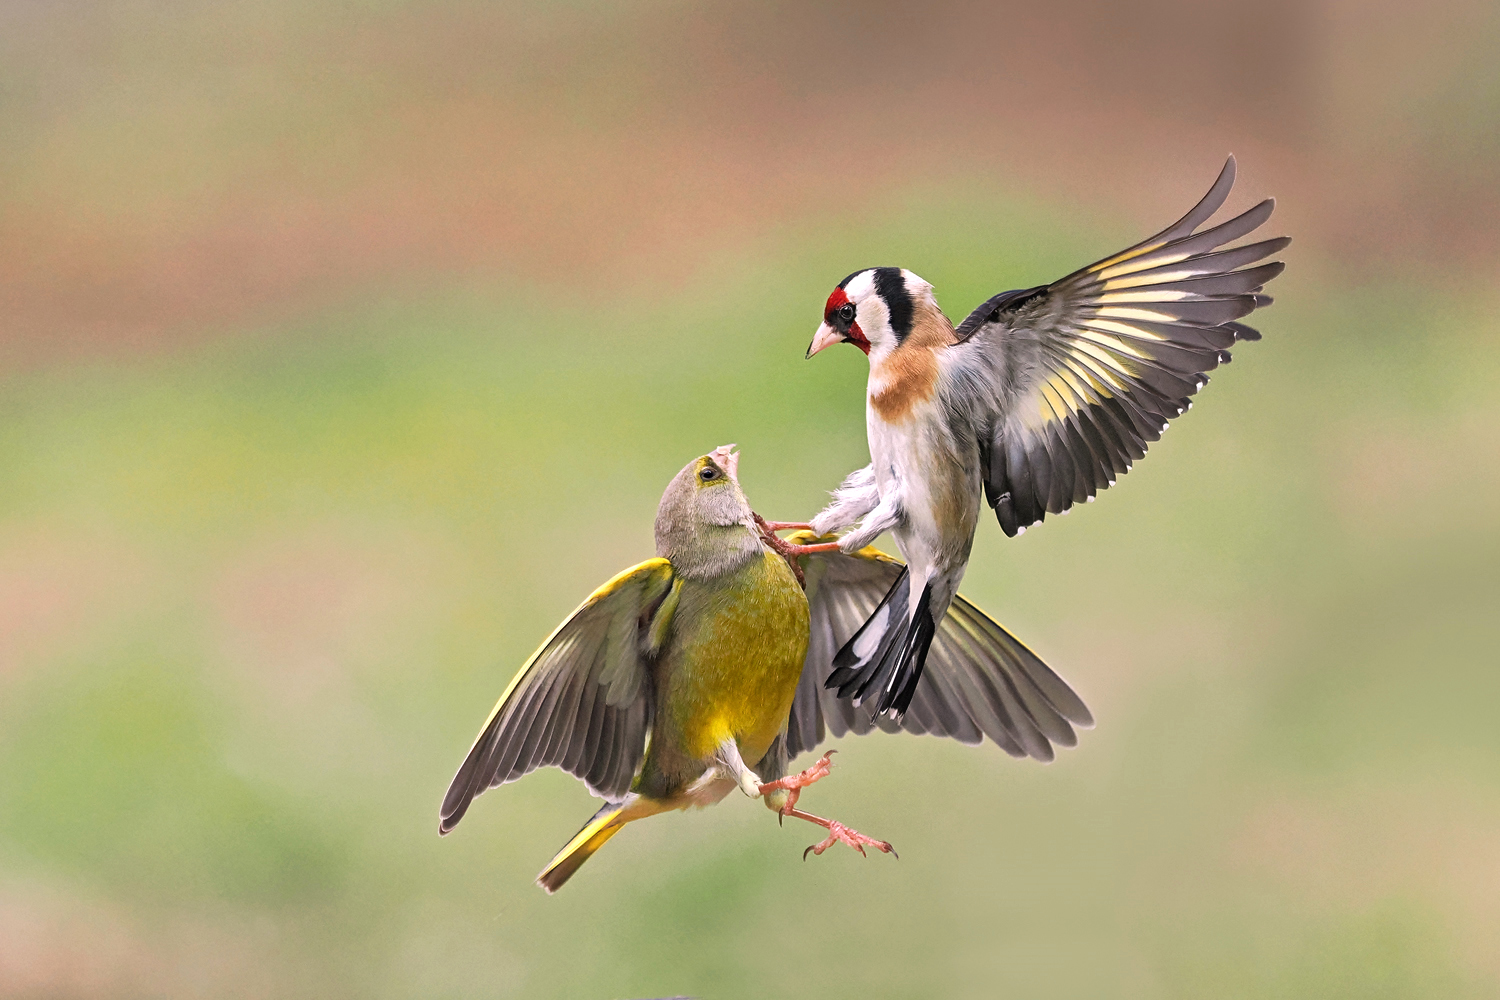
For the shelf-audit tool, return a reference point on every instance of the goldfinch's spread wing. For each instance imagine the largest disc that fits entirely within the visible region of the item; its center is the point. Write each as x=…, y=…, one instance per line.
x=582, y=702
x=1079, y=376
x=980, y=680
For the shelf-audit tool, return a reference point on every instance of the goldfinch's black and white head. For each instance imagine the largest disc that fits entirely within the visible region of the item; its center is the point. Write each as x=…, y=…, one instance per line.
x=875, y=310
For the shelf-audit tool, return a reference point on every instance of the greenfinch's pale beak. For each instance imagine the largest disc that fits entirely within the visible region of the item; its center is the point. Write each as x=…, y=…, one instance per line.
x=826, y=336
x=726, y=458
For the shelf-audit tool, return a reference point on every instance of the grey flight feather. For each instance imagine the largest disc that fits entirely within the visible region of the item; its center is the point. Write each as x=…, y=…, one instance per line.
x=581, y=703
x=979, y=679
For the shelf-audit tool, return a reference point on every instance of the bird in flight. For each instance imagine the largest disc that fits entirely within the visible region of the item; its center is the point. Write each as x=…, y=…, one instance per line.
x=1038, y=400
x=704, y=669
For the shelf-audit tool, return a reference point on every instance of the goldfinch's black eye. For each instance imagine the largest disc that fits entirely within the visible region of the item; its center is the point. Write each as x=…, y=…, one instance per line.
x=846, y=312
x=708, y=473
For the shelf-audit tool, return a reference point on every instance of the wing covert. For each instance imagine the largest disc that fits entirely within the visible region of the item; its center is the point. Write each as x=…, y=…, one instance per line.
x=581, y=702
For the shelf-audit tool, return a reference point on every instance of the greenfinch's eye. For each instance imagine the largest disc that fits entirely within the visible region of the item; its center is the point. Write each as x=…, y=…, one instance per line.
x=708, y=473
x=846, y=312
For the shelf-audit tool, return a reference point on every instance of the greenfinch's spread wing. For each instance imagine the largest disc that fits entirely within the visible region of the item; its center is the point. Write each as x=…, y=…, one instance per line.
x=979, y=680
x=582, y=702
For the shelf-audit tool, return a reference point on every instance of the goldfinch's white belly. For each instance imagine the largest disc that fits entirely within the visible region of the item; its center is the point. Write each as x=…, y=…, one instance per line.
x=937, y=480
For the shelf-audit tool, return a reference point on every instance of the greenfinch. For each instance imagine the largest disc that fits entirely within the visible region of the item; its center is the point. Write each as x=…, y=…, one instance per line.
x=703, y=670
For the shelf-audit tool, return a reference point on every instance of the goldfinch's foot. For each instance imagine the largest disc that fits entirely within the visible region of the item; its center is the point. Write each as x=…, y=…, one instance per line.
x=768, y=531
x=838, y=833
x=793, y=784
x=786, y=550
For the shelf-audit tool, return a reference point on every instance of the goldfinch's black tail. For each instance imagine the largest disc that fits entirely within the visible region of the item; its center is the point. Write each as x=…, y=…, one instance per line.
x=884, y=659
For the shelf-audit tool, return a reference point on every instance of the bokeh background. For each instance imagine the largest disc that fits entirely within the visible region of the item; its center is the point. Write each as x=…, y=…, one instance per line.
x=344, y=347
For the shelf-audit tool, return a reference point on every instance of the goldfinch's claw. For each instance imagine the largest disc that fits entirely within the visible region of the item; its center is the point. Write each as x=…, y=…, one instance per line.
x=789, y=551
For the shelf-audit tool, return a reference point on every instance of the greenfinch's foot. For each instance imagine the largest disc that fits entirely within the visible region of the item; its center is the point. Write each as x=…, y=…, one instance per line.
x=793, y=784
x=787, y=791
x=838, y=833
x=786, y=525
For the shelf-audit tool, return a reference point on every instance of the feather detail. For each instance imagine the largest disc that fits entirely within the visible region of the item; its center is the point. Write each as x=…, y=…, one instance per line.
x=908, y=376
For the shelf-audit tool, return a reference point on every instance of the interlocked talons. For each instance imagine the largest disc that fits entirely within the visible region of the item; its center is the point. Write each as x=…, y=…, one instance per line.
x=838, y=833
x=789, y=551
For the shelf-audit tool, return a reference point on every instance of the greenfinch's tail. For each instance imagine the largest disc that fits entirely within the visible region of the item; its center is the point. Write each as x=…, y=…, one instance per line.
x=605, y=824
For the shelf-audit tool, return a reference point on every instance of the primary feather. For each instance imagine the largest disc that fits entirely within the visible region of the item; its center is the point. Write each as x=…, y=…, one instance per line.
x=1038, y=400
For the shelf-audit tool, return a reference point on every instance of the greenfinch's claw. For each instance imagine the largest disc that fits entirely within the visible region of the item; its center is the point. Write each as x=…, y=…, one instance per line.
x=793, y=784
x=838, y=833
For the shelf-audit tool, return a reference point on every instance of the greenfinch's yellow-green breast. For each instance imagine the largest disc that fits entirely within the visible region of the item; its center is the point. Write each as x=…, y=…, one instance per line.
x=702, y=670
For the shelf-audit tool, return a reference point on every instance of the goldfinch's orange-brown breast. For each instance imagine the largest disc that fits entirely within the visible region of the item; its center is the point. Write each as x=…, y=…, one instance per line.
x=907, y=377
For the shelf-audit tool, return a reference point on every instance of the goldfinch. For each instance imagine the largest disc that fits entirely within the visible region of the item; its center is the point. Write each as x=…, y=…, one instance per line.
x=1041, y=398
x=702, y=670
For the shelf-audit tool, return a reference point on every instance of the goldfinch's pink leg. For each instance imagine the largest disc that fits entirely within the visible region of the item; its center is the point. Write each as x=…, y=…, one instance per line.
x=768, y=531
x=788, y=549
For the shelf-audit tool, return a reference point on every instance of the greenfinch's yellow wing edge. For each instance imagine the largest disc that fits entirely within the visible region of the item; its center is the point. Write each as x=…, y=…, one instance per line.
x=536, y=720
x=649, y=572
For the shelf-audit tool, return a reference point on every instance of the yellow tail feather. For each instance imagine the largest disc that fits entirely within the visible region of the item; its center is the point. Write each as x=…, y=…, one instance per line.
x=604, y=824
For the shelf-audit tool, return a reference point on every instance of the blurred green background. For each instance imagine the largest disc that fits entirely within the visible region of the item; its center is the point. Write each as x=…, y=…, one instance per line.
x=344, y=348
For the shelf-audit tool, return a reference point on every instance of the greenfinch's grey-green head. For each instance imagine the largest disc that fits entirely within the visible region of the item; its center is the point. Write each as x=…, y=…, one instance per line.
x=704, y=524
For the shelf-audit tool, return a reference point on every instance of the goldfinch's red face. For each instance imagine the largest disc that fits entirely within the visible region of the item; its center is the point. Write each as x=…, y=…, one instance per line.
x=840, y=325
x=874, y=310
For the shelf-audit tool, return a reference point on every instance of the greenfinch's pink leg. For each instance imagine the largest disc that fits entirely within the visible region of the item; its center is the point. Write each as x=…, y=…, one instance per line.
x=793, y=784
x=787, y=525
x=838, y=833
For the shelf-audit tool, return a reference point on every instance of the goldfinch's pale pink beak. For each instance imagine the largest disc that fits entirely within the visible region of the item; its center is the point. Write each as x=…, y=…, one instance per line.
x=825, y=337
